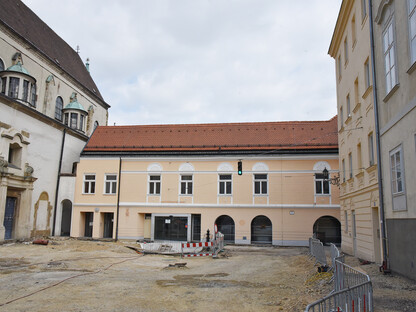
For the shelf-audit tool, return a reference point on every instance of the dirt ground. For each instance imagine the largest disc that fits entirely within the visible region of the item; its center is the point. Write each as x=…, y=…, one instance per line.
x=76, y=275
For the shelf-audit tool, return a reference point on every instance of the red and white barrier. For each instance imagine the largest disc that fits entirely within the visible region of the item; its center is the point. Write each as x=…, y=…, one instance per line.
x=216, y=245
x=198, y=255
x=195, y=245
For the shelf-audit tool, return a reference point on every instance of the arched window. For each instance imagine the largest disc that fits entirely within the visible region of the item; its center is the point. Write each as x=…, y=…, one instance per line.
x=1, y=65
x=59, y=105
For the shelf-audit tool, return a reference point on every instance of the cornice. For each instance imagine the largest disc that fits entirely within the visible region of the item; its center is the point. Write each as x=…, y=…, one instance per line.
x=343, y=16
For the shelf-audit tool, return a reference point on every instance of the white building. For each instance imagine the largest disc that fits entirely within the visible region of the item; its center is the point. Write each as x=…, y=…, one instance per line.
x=49, y=106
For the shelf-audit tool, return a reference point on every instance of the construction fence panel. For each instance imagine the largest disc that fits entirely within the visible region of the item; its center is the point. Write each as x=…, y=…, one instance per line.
x=318, y=251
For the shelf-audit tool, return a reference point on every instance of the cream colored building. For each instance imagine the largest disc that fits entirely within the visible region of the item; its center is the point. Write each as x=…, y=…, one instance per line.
x=394, y=25
x=49, y=106
x=174, y=182
x=359, y=195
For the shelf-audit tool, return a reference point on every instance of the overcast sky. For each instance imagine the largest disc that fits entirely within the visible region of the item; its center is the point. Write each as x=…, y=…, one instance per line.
x=203, y=61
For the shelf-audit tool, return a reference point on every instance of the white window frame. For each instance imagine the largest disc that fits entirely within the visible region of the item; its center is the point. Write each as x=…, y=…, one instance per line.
x=188, y=185
x=322, y=182
x=154, y=184
x=397, y=171
x=412, y=36
x=90, y=182
x=389, y=56
x=227, y=184
x=110, y=184
x=261, y=184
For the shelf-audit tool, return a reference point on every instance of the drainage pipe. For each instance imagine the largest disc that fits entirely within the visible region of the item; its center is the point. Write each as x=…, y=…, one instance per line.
x=118, y=196
x=377, y=129
x=58, y=179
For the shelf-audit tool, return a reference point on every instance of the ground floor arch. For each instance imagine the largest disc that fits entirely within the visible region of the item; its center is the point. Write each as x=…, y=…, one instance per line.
x=226, y=226
x=66, y=217
x=328, y=230
x=261, y=230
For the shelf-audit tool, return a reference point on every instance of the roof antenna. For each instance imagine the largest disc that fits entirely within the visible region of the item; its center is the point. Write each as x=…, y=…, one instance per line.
x=77, y=49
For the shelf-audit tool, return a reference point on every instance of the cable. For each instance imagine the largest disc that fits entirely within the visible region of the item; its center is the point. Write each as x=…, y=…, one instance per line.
x=66, y=279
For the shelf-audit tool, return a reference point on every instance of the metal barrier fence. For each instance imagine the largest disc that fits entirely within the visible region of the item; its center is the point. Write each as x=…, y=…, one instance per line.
x=317, y=250
x=353, y=290
x=194, y=249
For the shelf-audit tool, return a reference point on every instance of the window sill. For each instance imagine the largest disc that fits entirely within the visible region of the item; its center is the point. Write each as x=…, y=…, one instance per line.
x=363, y=21
x=356, y=108
x=185, y=195
x=323, y=195
x=360, y=174
x=390, y=94
x=341, y=130
x=367, y=92
x=225, y=195
x=88, y=193
x=108, y=194
x=412, y=68
x=261, y=195
x=348, y=120
x=371, y=168
x=153, y=195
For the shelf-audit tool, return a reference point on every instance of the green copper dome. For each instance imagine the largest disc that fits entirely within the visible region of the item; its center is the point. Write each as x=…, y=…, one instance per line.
x=18, y=68
x=74, y=104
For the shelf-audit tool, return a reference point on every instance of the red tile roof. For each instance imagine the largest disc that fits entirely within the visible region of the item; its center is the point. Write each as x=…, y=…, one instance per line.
x=18, y=18
x=290, y=135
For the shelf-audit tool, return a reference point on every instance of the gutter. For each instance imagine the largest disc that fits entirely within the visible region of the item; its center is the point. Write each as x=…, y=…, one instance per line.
x=58, y=179
x=118, y=196
x=385, y=266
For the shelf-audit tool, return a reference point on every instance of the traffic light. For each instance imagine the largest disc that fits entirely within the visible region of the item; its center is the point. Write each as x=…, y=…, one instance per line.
x=240, y=167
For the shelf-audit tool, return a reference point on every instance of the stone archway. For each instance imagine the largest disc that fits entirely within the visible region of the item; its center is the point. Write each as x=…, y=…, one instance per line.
x=226, y=226
x=328, y=230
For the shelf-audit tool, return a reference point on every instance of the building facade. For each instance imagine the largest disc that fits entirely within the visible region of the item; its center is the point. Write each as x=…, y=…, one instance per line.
x=174, y=182
x=359, y=192
x=49, y=106
x=394, y=26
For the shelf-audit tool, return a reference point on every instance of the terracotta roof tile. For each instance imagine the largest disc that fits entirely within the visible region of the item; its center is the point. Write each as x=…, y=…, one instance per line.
x=16, y=16
x=226, y=136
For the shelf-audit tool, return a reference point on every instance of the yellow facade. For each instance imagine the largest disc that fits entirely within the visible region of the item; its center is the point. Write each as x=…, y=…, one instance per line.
x=290, y=203
x=350, y=47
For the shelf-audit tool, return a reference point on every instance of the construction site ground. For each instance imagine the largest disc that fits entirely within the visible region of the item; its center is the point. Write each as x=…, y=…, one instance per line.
x=78, y=275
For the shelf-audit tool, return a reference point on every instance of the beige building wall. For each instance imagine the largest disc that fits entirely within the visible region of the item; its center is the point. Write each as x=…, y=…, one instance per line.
x=396, y=95
x=350, y=47
x=291, y=203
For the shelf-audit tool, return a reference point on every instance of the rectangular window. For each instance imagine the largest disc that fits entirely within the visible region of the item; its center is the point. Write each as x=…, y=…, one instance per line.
x=154, y=185
x=89, y=184
x=66, y=119
x=339, y=67
x=321, y=185
x=350, y=163
x=389, y=57
x=343, y=170
x=33, y=95
x=359, y=160
x=110, y=183
x=396, y=165
x=346, y=50
x=74, y=120
x=25, y=90
x=353, y=31
x=225, y=184
x=186, y=185
x=260, y=184
x=341, y=114
x=346, y=221
x=412, y=30
x=348, y=106
x=363, y=9
x=367, y=74
x=81, y=122
x=371, y=149
x=3, y=85
x=14, y=87
x=356, y=92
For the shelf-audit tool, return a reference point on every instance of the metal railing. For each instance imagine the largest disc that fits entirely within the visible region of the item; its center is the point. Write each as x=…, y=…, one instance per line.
x=316, y=249
x=353, y=290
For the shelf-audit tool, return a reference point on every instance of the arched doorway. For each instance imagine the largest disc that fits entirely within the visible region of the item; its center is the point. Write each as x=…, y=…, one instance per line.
x=226, y=226
x=328, y=230
x=261, y=230
x=66, y=217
